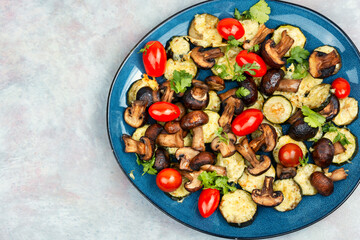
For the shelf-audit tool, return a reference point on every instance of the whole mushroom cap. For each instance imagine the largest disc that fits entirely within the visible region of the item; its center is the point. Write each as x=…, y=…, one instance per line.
x=194, y=119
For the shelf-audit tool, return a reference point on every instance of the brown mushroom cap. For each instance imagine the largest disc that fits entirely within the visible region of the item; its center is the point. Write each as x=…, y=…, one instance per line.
x=322, y=65
x=153, y=131
x=273, y=53
x=266, y=196
x=259, y=37
x=215, y=83
x=205, y=59
x=301, y=131
x=323, y=153
x=136, y=114
x=285, y=172
x=197, y=97
x=227, y=149
x=270, y=81
x=170, y=140
x=148, y=94
x=267, y=140
x=162, y=159
x=322, y=183
x=185, y=155
x=202, y=158
x=182, y=110
x=194, y=119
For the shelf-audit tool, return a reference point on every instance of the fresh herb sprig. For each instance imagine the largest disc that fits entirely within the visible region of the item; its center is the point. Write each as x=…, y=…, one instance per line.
x=215, y=181
x=223, y=70
x=147, y=165
x=232, y=42
x=304, y=161
x=254, y=48
x=248, y=68
x=258, y=12
x=340, y=137
x=181, y=80
x=298, y=57
x=144, y=49
x=242, y=92
x=223, y=136
x=312, y=118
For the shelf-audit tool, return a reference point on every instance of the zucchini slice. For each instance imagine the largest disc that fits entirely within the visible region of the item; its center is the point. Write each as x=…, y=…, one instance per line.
x=214, y=102
x=211, y=127
x=259, y=102
x=307, y=83
x=188, y=65
x=328, y=49
x=249, y=182
x=318, y=97
x=235, y=166
x=285, y=140
x=291, y=192
x=351, y=148
x=277, y=127
x=203, y=31
x=140, y=132
x=177, y=47
x=238, y=208
x=294, y=32
x=277, y=109
x=349, y=110
x=226, y=62
x=137, y=85
x=303, y=178
x=318, y=135
x=251, y=28
x=180, y=193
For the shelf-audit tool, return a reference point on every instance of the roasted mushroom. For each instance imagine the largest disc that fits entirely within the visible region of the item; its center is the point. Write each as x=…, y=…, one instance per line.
x=322, y=65
x=182, y=110
x=136, y=114
x=185, y=155
x=323, y=153
x=301, y=131
x=203, y=158
x=283, y=172
x=144, y=148
x=232, y=105
x=273, y=53
x=227, y=94
x=338, y=148
x=167, y=93
x=205, y=59
x=256, y=167
x=322, y=183
x=196, y=98
x=153, y=131
x=195, y=120
x=332, y=109
x=215, y=83
x=165, y=139
x=250, y=85
x=149, y=95
x=226, y=148
x=273, y=81
x=267, y=140
x=214, y=168
x=266, y=196
x=174, y=127
x=336, y=175
x=259, y=37
x=162, y=159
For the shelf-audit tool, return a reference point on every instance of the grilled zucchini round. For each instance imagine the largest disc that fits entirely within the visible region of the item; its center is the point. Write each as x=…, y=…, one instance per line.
x=235, y=166
x=303, y=178
x=277, y=109
x=180, y=193
x=259, y=102
x=294, y=32
x=291, y=192
x=285, y=140
x=139, y=132
x=251, y=27
x=249, y=182
x=349, y=110
x=211, y=127
x=137, y=85
x=214, y=102
x=187, y=65
x=318, y=97
x=177, y=47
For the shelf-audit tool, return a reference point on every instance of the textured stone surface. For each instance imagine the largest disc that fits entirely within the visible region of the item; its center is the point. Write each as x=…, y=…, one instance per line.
x=59, y=178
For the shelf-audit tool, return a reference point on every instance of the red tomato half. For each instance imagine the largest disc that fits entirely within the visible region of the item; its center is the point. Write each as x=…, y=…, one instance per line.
x=154, y=58
x=247, y=122
x=168, y=180
x=290, y=154
x=245, y=57
x=208, y=201
x=230, y=27
x=342, y=87
x=164, y=111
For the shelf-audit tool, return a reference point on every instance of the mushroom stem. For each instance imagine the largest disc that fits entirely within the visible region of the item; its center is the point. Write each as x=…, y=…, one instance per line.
x=336, y=175
x=266, y=196
x=256, y=143
x=212, y=168
x=285, y=172
x=232, y=104
x=267, y=138
x=168, y=93
x=198, y=139
x=133, y=146
x=259, y=37
x=227, y=94
x=268, y=186
x=205, y=59
x=289, y=85
x=338, y=148
x=285, y=44
x=185, y=155
x=170, y=140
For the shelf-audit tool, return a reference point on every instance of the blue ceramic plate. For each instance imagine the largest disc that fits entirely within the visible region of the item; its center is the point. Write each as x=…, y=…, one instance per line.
x=319, y=31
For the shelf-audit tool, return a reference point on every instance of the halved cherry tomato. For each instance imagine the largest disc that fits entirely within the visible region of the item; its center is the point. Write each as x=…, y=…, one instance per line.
x=164, y=111
x=230, y=27
x=247, y=122
x=168, y=179
x=290, y=154
x=342, y=87
x=208, y=201
x=245, y=57
x=154, y=58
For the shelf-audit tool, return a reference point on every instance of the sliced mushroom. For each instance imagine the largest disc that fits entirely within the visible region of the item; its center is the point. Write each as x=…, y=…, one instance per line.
x=205, y=59
x=185, y=155
x=250, y=85
x=195, y=120
x=174, y=127
x=338, y=148
x=227, y=94
x=153, y=131
x=301, y=131
x=323, y=153
x=203, y=158
x=182, y=110
x=227, y=149
x=136, y=114
x=170, y=140
x=149, y=95
x=322, y=65
x=273, y=81
x=296, y=116
x=285, y=172
x=256, y=167
x=144, y=148
x=273, y=53
x=267, y=140
x=194, y=184
x=336, y=175
x=213, y=168
x=266, y=196
x=215, y=83
x=162, y=159
x=332, y=109
x=259, y=37
x=197, y=98
x=167, y=93
x=231, y=105
x=322, y=183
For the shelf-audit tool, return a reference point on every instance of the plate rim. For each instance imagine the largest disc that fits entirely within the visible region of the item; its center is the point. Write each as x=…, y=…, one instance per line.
x=159, y=207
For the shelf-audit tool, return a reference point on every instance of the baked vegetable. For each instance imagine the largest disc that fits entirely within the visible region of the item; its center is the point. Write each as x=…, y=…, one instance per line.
x=291, y=192
x=349, y=110
x=249, y=182
x=285, y=140
x=303, y=178
x=294, y=32
x=177, y=47
x=235, y=166
x=277, y=109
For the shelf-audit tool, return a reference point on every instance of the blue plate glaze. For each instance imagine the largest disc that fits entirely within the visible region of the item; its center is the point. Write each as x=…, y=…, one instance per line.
x=319, y=31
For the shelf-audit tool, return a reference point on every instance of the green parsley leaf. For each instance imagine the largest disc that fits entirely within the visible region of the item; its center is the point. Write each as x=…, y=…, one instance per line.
x=242, y=92
x=340, y=137
x=248, y=68
x=260, y=11
x=144, y=50
x=300, y=71
x=223, y=73
x=219, y=133
x=237, y=14
x=312, y=118
x=298, y=55
x=304, y=161
x=329, y=127
x=215, y=181
x=147, y=165
x=181, y=80
x=254, y=48
x=232, y=42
